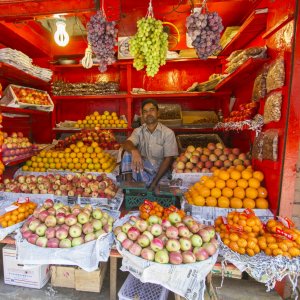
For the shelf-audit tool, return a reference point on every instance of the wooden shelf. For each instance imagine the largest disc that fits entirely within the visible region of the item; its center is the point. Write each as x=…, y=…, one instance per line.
x=22, y=111
x=237, y=78
x=21, y=160
x=74, y=130
x=17, y=76
x=178, y=94
x=255, y=24
x=90, y=97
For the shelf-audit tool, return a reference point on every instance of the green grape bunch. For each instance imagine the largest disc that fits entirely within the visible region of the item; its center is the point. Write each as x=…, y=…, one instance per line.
x=149, y=46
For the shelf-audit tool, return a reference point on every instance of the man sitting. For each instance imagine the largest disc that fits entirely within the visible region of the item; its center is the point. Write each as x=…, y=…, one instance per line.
x=150, y=149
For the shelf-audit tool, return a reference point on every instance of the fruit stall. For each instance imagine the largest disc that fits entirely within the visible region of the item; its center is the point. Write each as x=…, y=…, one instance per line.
x=225, y=75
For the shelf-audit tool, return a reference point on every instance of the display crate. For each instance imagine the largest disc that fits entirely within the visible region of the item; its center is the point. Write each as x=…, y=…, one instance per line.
x=133, y=288
x=197, y=140
x=170, y=114
x=199, y=118
x=136, y=193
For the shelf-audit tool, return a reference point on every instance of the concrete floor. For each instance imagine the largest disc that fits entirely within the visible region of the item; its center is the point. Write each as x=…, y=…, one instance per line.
x=232, y=289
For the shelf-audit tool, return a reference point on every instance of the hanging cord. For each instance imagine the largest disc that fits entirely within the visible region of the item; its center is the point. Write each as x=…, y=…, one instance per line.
x=87, y=61
x=150, y=13
x=102, y=8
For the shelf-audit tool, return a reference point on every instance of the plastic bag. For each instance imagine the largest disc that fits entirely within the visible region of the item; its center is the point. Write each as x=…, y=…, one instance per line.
x=234, y=54
x=272, y=110
x=270, y=145
x=255, y=51
x=259, y=87
x=258, y=147
x=276, y=75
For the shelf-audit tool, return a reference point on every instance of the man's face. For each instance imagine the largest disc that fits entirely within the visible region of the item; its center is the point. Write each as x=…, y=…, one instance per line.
x=150, y=114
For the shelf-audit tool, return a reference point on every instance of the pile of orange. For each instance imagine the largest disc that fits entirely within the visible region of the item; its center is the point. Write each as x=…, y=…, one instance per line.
x=76, y=158
x=17, y=215
x=149, y=208
x=236, y=187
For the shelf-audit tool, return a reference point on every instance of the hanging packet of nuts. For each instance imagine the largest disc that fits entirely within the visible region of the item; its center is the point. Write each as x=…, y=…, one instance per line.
x=276, y=75
x=272, y=110
x=259, y=87
x=234, y=54
x=257, y=148
x=270, y=145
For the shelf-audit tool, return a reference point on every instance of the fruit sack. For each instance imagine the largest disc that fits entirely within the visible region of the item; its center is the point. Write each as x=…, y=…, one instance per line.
x=263, y=268
x=208, y=214
x=4, y=205
x=24, y=97
x=187, y=280
x=42, y=241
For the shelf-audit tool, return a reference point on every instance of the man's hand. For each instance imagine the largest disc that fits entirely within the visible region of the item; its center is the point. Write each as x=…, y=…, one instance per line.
x=137, y=161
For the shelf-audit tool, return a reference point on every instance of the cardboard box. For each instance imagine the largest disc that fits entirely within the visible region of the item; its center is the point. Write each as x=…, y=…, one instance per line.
x=76, y=278
x=33, y=276
x=63, y=276
x=230, y=271
x=90, y=281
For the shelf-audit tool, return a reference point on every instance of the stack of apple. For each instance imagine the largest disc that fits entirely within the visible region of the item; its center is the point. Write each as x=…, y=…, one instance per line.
x=245, y=112
x=15, y=147
x=85, y=185
x=31, y=96
x=105, y=139
x=97, y=121
x=208, y=159
x=60, y=226
x=173, y=240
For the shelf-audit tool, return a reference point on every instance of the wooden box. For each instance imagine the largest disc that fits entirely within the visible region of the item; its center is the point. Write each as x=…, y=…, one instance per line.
x=63, y=276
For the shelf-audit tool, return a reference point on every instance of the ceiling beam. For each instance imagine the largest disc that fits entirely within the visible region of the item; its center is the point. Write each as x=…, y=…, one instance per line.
x=23, y=38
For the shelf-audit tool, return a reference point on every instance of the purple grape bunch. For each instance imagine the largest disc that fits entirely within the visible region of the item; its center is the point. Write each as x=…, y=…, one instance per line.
x=102, y=35
x=205, y=32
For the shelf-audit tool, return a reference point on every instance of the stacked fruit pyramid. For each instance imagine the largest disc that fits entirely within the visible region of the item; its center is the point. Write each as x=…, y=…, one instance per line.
x=97, y=121
x=244, y=233
x=236, y=187
x=76, y=158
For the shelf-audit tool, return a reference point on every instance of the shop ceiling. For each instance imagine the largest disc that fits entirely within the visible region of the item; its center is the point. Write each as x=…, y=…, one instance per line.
x=30, y=25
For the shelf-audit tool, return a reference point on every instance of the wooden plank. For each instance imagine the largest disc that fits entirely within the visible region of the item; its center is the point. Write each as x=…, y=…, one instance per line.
x=113, y=278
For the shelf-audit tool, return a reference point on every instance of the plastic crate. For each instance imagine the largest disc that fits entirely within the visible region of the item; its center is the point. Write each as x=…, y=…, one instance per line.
x=134, y=198
x=133, y=289
x=197, y=140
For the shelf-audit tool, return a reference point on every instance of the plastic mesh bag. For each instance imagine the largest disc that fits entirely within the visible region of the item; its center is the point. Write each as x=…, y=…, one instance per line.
x=272, y=110
x=257, y=149
x=270, y=145
x=276, y=75
x=259, y=87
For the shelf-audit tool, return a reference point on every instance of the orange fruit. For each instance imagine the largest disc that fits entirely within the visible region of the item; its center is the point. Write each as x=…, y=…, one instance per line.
x=250, y=252
x=205, y=192
x=233, y=246
x=248, y=203
x=239, y=192
x=209, y=183
x=231, y=183
x=270, y=239
x=262, y=244
x=199, y=200
x=242, y=243
x=251, y=193
x=262, y=192
x=233, y=237
x=220, y=183
x=227, y=192
x=240, y=168
x=226, y=241
x=243, y=183
x=261, y=203
x=235, y=174
x=223, y=202
x=246, y=174
x=258, y=175
x=236, y=203
x=211, y=201
x=268, y=251
x=293, y=251
x=224, y=175
x=254, y=183
x=250, y=222
x=216, y=192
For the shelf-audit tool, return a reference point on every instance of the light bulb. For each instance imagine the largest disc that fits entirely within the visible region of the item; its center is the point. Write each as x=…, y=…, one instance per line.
x=61, y=36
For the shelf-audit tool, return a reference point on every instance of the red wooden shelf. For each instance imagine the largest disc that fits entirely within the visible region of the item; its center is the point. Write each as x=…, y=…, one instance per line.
x=237, y=78
x=90, y=97
x=74, y=130
x=21, y=111
x=19, y=161
x=17, y=76
x=178, y=94
x=255, y=24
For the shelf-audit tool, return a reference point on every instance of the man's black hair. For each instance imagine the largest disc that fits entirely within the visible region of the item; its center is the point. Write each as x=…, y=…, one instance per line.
x=149, y=100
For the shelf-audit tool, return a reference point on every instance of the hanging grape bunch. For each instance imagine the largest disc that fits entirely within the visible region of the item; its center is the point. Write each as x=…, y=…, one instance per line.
x=102, y=35
x=149, y=46
x=204, y=30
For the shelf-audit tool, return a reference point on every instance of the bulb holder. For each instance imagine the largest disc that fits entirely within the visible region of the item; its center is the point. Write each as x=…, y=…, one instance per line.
x=61, y=36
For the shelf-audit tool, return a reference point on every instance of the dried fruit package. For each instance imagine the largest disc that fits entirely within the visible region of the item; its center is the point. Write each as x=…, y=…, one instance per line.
x=258, y=146
x=276, y=75
x=272, y=110
x=234, y=54
x=259, y=87
x=270, y=145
